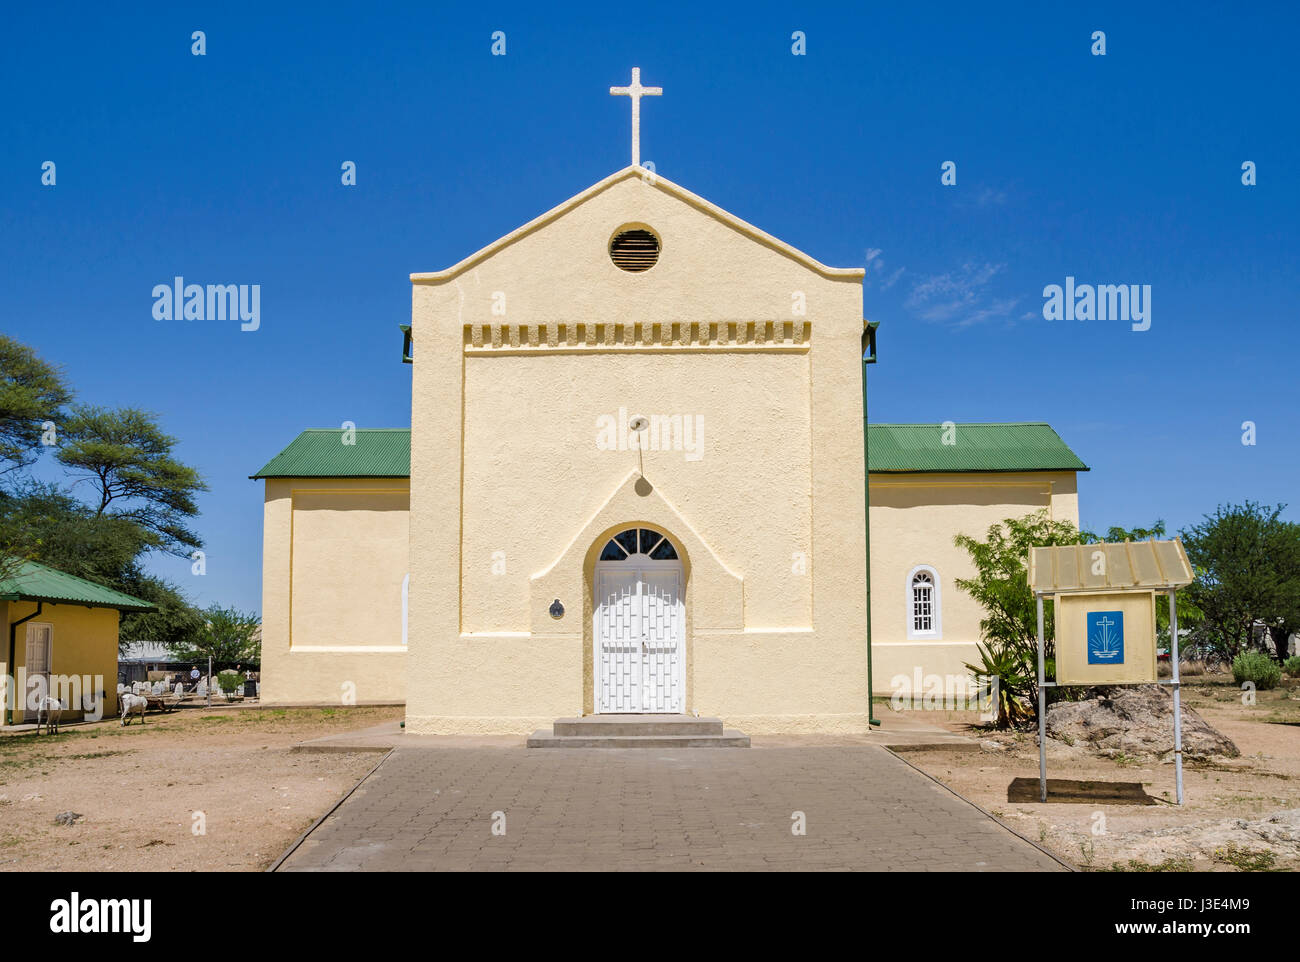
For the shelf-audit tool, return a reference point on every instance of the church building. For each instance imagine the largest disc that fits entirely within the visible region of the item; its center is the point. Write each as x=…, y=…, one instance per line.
x=634, y=483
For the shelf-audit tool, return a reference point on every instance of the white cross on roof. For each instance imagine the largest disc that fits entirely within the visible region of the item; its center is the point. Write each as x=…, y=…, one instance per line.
x=636, y=92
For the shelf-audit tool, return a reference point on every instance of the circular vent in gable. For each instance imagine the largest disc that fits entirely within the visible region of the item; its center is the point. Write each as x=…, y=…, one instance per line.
x=634, y=249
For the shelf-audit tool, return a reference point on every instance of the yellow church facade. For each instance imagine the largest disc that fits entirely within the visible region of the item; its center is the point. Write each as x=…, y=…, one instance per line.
x=633, y=484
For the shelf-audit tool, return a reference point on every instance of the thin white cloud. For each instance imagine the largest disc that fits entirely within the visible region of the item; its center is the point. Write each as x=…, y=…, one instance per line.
x=959, y=298
x=981, y=196
x=999, y=309
x=876, y=274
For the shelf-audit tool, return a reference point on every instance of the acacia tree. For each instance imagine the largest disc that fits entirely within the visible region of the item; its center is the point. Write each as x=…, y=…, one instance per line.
x=141, y=496
x=127, y=460
x=32, y=393
x=70, y=536
x=1247, y=561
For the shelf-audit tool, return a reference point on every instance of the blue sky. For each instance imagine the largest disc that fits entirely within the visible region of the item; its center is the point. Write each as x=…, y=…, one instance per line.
x=225, y=168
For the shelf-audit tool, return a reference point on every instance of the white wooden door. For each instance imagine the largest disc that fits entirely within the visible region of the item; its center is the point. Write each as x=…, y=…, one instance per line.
x=640, y=630
x=39, y=656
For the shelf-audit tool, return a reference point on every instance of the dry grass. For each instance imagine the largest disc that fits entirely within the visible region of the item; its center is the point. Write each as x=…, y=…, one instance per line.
x=144, y=791
x=1119, y=814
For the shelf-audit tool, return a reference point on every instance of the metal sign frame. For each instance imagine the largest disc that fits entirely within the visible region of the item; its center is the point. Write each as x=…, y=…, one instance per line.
x=1044, y=684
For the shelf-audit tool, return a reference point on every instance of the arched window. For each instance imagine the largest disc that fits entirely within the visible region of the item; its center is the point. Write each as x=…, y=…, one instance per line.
x=639, y=541
x=924, y=616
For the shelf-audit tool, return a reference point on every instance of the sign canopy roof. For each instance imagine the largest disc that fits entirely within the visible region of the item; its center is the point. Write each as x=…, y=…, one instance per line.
x=1143, y=565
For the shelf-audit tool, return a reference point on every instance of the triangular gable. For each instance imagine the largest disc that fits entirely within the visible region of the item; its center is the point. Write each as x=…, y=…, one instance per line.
x=661, y=183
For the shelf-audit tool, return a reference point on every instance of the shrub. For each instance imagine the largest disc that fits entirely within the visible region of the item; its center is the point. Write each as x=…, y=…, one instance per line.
x=1257, y=667
x=1292, y=666
x=230, y=681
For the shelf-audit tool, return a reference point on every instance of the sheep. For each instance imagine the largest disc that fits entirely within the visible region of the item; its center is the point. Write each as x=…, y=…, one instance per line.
x=132, y=703
x=47, y=714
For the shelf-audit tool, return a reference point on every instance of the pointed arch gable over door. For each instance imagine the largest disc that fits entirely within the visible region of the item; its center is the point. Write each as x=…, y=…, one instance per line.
x=717, y=592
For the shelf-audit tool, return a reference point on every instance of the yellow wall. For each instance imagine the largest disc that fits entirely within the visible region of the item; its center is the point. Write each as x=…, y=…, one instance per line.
x=914, y=518
x=84, y=642
x=506, y=457
x=334, y=557
x=352, y=536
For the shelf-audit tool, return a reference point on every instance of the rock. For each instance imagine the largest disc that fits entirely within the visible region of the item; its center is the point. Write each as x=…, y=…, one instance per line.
x=1280, y=828
x=67, y=818
x=1136, y=720
x=1278, y=833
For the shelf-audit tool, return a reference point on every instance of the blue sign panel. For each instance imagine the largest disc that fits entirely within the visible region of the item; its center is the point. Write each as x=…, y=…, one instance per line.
x=1105, y=637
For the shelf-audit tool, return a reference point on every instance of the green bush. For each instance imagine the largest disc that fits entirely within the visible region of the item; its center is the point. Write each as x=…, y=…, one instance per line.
x=230, y=681
x=1292, y=666
x=1257, y=667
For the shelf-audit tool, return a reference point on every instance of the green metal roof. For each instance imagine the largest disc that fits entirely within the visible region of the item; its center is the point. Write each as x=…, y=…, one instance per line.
x=915, y=448
x=38, y=582
x=321, y=453
x=895, y=448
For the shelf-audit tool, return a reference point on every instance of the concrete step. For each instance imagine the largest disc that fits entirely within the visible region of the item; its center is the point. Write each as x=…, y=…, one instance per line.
x=611, y=725
x=725, y=739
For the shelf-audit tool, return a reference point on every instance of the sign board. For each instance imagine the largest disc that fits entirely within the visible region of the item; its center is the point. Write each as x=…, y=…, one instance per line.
x=1106, y=638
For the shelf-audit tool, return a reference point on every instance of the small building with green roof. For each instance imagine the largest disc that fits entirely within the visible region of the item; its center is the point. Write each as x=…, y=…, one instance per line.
x=62, y=641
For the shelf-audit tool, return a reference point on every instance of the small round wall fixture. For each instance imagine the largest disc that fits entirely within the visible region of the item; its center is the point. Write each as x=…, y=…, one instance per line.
x=556, y=609
x=634, y=249
x=639, y=423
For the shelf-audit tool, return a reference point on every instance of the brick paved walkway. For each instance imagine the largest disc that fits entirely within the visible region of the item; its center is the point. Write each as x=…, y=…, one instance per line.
x=608, y=809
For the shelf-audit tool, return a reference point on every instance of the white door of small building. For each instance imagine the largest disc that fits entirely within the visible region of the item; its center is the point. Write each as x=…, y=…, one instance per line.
x=639, y=626
x=40, y=655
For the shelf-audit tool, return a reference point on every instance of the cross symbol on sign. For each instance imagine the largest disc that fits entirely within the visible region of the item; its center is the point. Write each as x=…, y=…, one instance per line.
x=636, y=92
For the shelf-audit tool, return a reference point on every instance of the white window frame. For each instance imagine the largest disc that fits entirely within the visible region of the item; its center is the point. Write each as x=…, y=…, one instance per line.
x=936, y=606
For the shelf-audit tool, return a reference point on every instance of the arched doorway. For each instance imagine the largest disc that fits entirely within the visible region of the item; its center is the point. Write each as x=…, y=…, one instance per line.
x=639, y=625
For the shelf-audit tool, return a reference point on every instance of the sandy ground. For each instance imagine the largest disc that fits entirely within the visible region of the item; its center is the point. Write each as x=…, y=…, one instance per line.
x=139, y=788
x=1119, y=814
